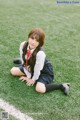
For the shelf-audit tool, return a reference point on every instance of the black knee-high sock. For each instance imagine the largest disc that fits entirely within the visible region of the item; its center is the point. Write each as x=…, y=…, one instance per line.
x=52, y=86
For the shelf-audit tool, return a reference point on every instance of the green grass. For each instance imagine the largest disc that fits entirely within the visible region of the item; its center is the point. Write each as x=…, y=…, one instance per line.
x=61, y=23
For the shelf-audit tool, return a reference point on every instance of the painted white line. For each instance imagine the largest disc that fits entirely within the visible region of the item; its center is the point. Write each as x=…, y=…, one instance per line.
x=13, y=111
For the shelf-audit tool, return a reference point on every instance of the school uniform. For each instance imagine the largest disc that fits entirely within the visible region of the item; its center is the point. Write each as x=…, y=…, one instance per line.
x=40, y=70
x=43, y=69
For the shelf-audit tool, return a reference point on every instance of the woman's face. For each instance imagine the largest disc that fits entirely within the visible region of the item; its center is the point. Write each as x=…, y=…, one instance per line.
x=33, y=43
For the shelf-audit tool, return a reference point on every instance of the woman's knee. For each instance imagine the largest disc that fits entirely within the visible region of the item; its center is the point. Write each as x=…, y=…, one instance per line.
x=13, y=71
x=40, y=88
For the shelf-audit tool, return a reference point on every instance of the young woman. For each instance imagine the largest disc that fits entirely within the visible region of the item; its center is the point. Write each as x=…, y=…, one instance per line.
x=35, y=68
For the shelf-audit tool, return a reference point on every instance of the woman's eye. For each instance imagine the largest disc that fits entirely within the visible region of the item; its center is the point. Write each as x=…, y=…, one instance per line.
x=32, y=37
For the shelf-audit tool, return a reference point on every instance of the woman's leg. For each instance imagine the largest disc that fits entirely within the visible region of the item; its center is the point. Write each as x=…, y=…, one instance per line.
x=42, y=88
x=15, y=71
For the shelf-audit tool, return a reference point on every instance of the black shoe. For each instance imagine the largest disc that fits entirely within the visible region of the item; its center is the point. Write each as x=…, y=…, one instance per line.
x=66, y=87
x=17, y=61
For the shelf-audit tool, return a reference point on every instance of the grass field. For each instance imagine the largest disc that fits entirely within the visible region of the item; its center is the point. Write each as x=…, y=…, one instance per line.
x=61, y=23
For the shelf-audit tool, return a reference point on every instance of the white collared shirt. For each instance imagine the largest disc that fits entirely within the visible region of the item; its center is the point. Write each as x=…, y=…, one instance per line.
x=40, y=59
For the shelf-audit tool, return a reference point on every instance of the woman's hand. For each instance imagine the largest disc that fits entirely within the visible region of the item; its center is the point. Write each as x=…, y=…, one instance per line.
x=23, y=78
x=29, y=81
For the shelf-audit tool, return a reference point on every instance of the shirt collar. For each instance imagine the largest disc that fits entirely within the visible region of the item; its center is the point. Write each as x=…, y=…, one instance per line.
x=29, y=49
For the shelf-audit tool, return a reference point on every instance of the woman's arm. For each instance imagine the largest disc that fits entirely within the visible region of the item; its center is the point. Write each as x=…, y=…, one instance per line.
x=40, y=59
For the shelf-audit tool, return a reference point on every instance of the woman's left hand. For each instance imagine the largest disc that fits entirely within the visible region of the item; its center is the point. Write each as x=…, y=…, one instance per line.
x=29, y=81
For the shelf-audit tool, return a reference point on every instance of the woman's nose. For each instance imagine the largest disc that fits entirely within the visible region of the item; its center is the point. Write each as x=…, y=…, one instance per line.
x=33, y=41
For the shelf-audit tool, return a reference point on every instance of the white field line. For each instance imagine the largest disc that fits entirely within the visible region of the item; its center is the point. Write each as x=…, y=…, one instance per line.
x=13, y=111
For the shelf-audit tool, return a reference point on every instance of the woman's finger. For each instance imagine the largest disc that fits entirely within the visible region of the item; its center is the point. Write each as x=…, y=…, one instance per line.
x=27, y=84
x=21, y=78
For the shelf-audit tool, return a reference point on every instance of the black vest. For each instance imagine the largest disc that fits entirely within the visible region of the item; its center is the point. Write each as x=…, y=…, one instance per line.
x=47, y=69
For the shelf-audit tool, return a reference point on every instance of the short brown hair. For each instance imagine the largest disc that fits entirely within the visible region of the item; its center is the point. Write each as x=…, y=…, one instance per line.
x=38, y=34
